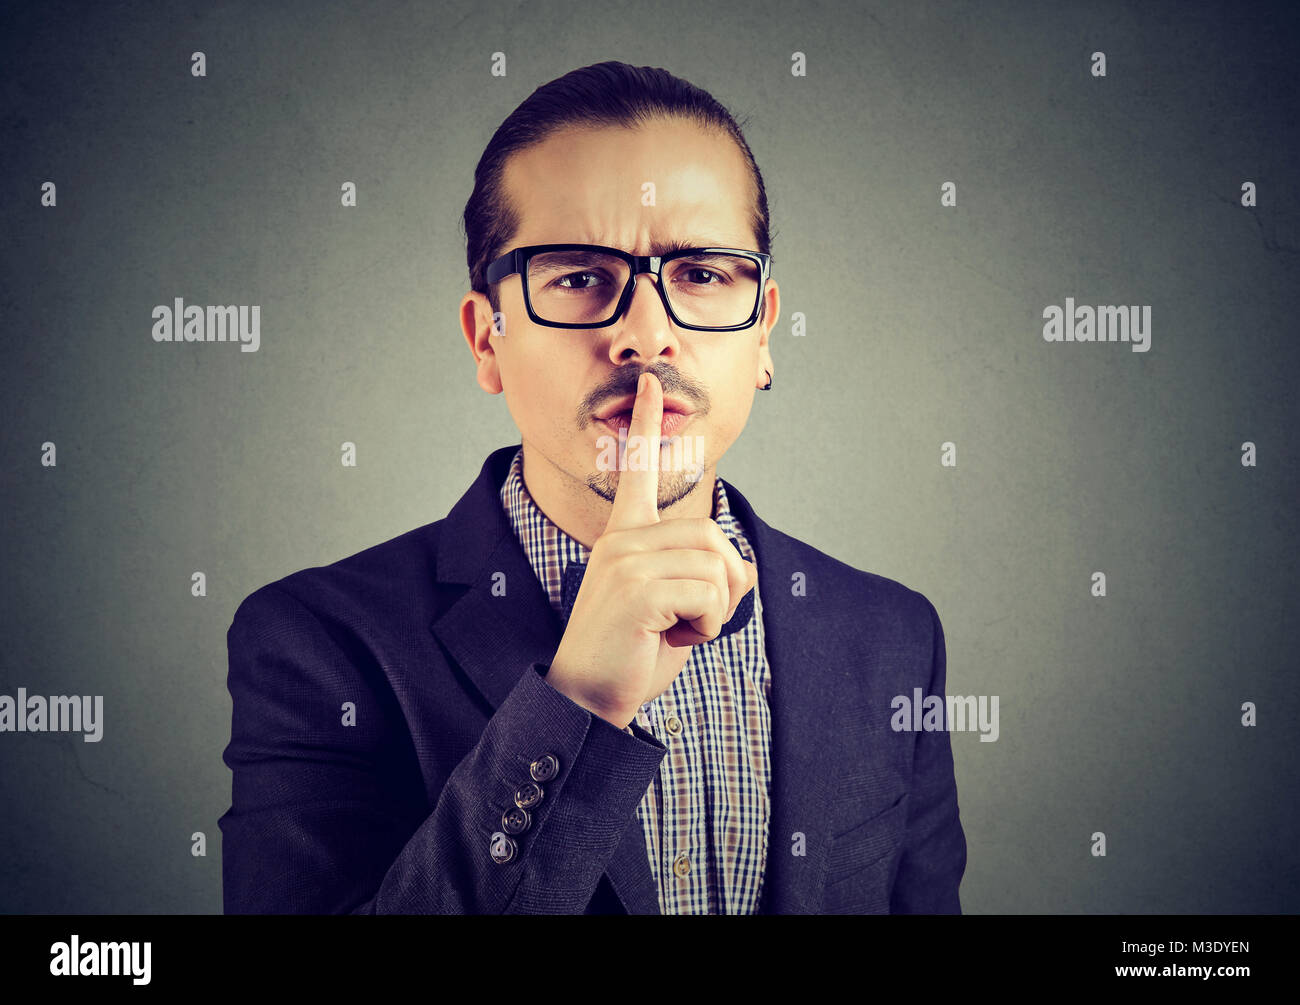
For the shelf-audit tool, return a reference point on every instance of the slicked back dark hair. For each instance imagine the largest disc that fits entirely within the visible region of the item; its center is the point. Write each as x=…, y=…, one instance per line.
x=603, y=94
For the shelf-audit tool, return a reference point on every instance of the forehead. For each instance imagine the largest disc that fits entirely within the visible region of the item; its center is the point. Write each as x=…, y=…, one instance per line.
x=645, y=189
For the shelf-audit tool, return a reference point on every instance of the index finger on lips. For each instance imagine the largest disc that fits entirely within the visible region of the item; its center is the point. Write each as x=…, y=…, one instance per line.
x=636, y=500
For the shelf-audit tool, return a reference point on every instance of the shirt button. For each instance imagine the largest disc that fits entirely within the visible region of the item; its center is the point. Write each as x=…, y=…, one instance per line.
x=674, y=725
x=502, y=848
x=682, y=864
x=544, y=768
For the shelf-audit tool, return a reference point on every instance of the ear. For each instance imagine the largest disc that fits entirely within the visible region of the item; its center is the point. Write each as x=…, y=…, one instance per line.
x=771, y=312
x=480, y=328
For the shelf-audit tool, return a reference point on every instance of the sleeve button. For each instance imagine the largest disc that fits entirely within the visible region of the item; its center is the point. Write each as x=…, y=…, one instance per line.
x=544, y=768
x=528, y=795
x=515, y=820
x=502, y=848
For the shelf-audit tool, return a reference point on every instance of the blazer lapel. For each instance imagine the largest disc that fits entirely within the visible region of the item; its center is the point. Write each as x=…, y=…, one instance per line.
x=494, y=639
x=802, y=658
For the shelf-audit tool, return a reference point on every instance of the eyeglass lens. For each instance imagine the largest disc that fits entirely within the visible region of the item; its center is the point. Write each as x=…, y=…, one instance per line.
x=583, y=287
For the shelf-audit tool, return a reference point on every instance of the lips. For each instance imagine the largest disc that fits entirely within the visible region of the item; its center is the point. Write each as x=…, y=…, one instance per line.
x=625, y=404
x=672, y=421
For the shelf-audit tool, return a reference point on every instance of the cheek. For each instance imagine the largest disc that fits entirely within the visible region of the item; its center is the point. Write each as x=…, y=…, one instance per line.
x=733, y=399
x=732, y=393
x=542, y=385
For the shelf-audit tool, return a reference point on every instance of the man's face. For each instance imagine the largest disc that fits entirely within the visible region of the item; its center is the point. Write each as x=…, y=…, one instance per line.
x=587, y=186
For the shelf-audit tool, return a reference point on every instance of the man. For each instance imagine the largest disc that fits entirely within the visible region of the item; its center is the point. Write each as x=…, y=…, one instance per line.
x=601, y=684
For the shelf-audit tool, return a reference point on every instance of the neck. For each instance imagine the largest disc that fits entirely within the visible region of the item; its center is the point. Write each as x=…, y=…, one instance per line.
x=571, y=505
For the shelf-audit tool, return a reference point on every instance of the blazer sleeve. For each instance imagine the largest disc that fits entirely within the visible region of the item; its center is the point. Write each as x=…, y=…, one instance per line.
x=934, y=855
x=318, y=824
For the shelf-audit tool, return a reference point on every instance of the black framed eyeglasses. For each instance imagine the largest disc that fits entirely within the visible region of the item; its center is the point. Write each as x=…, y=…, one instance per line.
x=591, y=286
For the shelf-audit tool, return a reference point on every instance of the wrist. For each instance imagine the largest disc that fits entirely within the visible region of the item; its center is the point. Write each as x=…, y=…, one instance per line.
x=616, y=717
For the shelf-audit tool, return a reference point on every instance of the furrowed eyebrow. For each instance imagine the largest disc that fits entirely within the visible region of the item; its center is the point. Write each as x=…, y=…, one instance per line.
x=562, y=259
x=661, y=248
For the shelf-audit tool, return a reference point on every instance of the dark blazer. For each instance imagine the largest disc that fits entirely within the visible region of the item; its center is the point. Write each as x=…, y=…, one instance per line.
x=450, y=707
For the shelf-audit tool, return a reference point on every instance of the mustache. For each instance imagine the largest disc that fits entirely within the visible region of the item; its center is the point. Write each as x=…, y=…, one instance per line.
x=623, y=384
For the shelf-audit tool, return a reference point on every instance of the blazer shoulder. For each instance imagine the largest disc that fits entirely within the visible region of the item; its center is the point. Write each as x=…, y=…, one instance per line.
x=885, y=636
x=397, y=575
x=877, y=590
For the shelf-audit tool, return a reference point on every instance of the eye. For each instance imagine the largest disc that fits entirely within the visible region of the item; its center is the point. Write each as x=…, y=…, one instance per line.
x=563, y=279
x=699, y=270
x=707, y=272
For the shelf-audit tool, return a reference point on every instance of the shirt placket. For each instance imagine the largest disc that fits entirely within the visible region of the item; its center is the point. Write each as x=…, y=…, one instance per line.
x=686, y=858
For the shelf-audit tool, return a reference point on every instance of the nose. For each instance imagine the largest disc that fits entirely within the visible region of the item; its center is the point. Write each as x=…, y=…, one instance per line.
x=645, y=329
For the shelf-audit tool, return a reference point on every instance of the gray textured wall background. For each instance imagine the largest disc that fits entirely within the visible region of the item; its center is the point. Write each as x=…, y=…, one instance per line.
x=1118, y=714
